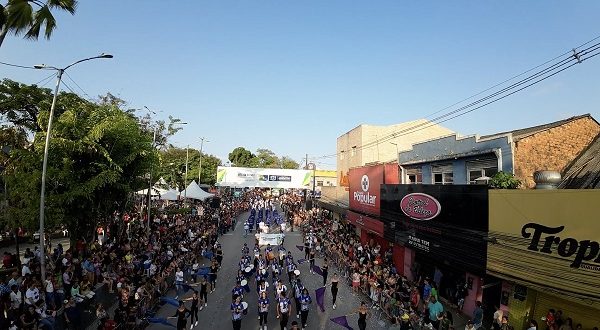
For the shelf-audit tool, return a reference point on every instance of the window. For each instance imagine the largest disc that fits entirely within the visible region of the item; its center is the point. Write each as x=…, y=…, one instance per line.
x=320, y=183
x=442, y=174
x=481, y=167
x=353, y=152
x=414, y=176
x=342, y=155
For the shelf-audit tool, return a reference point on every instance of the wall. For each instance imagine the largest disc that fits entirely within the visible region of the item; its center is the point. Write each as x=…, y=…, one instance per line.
x=383, y=151
x=553, y=149
x=474, y=294
x=521, y=311
x=454, y=147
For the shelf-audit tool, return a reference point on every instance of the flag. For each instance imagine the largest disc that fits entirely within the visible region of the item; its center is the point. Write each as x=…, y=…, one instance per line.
x=343, y=321
x=208, y=255
x=317, y=270
x=187, y=287
x=320, y=297
x=170, y=301
x=301, y=261
x=161, y=320
x=203, y=271
x=300, y=247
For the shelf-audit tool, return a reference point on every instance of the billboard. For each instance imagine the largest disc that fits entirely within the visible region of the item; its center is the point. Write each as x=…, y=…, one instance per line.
x=364, y=191
x=263, y=177
x=448, y=223
x=548, y=239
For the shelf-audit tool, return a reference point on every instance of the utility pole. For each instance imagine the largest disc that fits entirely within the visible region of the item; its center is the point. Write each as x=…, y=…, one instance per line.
x=200, y=169
x=187, y=159
x=150, y=186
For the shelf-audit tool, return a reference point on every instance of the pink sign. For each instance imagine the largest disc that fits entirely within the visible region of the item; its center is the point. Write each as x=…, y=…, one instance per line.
x=420, y=206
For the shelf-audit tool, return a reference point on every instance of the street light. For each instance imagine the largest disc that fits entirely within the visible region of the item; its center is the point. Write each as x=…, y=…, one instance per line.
x=202, y=139
x=45, y=163
x=150, y=175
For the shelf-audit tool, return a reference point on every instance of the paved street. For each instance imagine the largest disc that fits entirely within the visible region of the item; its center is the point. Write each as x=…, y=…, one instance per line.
x=217, y=315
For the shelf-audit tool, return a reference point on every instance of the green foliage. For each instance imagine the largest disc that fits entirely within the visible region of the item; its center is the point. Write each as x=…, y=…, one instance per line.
x=98, y=155
x=241, y=157
x=19, y=16
x=264, y=158
x=172, y=167
x=504, y=180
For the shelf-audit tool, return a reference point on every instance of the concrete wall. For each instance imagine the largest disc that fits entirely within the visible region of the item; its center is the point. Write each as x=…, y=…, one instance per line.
x=553, y=149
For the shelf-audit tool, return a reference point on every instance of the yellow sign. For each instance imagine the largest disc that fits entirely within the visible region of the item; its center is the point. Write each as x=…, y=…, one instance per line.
x=547, y=238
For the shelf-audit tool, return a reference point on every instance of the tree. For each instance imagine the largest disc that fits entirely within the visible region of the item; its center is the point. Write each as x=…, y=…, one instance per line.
x=19, y=16
x=267, y=159
x=98, y=156
x=172, y=167
x=287, y=162
x=242, y=157
x=504, y=180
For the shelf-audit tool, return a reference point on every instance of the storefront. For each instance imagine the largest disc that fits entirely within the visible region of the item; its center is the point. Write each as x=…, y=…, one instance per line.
x=443, y=229
x=544, y=245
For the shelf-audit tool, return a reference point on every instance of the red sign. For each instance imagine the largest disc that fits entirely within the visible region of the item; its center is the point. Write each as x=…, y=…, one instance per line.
x=365, y=185
x=366, y=223
x=420, y=206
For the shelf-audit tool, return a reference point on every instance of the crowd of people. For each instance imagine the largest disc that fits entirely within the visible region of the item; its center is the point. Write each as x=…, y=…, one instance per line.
x=137, y=266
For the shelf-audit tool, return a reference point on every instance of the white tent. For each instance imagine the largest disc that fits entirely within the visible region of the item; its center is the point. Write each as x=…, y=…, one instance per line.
x=159, y=188
x=170, y=195
x=194, y=191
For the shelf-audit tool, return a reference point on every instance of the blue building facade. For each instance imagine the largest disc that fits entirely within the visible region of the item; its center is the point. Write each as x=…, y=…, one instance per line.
x=456, y=160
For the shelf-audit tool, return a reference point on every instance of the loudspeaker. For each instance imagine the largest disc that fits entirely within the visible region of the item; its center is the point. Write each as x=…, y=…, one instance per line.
x=215, y=202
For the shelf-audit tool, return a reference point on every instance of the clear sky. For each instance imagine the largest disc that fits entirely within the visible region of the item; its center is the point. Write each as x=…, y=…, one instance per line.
x=294, y=75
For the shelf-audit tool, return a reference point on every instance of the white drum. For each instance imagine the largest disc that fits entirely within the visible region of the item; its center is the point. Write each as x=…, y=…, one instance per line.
x=297, y=272
x=244, y=283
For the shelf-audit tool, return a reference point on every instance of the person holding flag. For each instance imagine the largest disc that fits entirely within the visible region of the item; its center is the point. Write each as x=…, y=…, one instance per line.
x=263, y=309
x=237, y=309
x=298, y=289
x=284, y=309
x=305, y=301
x=181, y=314
x=325, y=268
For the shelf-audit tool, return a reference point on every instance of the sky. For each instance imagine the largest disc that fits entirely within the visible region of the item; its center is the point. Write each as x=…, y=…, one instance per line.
x=292, y=76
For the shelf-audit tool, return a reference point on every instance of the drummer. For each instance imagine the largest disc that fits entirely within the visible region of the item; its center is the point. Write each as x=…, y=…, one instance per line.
x=276, y=270
x=237, y=291
x=240, y=276
x=269, y=254
x=291, y=267
x=262, y=262
x=245, y=249
x=263, y=310
x=243, y=263
x=237, y=310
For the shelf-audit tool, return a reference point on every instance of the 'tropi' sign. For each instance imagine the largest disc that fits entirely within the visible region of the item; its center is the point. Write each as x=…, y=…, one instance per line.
x=419, y=206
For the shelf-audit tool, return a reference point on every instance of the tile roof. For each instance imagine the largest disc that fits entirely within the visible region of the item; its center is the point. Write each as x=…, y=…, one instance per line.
x=525, y=132
x=584, y=171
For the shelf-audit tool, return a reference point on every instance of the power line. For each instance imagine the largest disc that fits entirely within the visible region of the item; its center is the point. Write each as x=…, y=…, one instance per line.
x=76, y=84
x=45, y=80
x=578, y=57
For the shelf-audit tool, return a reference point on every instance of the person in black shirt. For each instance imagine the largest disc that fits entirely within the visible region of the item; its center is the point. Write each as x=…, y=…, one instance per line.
x=181, y=314
x=194, y=309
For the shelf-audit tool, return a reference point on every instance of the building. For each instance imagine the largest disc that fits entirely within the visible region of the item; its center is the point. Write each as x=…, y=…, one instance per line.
x=371, y=144
x=462, y=160
x=584, y=171
x=325, y=178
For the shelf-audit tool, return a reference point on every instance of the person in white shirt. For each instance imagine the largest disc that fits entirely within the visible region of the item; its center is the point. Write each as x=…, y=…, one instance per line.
x=16, y=298
x=25, y=270
x=179, y=281
x=32, y=295
x=50, y=300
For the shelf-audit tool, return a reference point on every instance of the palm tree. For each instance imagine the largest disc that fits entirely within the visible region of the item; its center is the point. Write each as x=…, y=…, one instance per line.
x=19, y=16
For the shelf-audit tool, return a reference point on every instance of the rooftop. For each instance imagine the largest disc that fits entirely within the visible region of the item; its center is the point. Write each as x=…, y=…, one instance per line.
x=584, y=171
x=519, y=134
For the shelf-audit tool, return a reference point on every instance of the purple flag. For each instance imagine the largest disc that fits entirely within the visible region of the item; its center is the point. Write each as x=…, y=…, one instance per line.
x=320, y=296
x=301, y=261
x=160, y=320
x=300, y=247
x=317, y=270
x=343, y=321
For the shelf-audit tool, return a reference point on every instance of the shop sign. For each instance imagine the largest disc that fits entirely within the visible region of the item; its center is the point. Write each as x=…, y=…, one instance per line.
x=364, y=191
x=568, y=247
x=537, y=235
x=366, y=223
x=457, y=236
x=419, y=206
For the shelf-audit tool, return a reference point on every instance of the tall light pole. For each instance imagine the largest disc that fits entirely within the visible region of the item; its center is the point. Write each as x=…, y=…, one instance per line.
x=202, y=139
x=150, y=180
x=45, y=162
x=187, y=159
